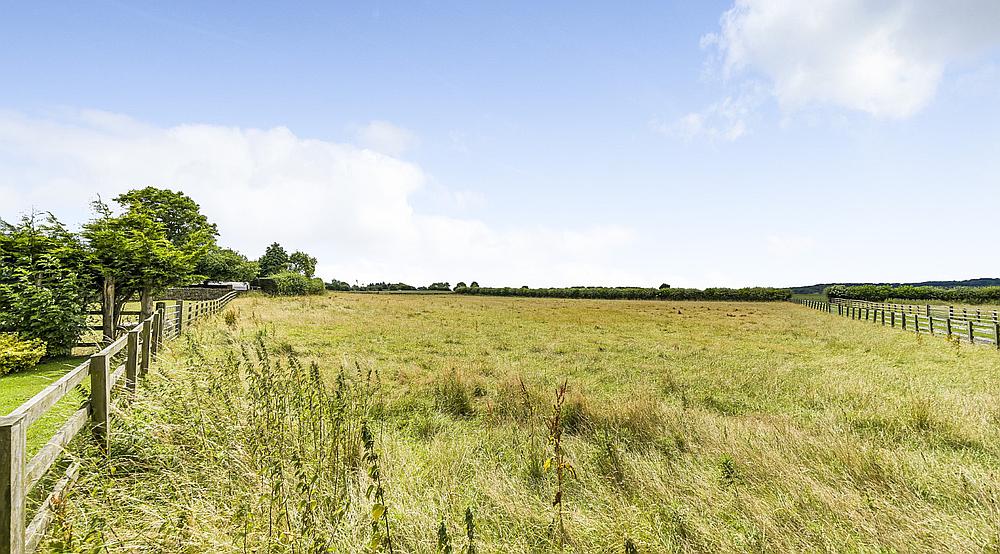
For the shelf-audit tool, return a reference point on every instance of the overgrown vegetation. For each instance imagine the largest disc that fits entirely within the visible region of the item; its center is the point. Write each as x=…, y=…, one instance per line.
x=249, y=450
x=688, y=426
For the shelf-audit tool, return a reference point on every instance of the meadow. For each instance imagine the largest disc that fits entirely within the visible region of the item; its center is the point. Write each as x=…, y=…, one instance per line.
x=426, y=422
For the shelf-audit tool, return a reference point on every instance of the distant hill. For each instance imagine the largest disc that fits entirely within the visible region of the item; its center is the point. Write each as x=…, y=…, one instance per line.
x=980, y=282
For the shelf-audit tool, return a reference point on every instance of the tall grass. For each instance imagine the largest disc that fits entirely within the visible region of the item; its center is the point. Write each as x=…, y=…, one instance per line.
x=244, y=449
x=690, y=427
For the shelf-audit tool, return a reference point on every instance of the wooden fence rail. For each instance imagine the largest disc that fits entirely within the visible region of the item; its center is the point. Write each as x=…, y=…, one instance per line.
x=938, y=311
x=975, y=327
x=132, y=352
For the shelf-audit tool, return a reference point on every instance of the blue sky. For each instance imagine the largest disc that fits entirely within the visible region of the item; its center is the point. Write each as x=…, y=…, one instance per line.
x=701, y=144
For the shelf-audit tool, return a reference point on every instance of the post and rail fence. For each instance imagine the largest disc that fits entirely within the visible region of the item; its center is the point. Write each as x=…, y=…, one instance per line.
x=972, y=326
x=20, y=474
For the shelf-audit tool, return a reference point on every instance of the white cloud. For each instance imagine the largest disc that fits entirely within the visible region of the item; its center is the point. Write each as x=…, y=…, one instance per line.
x=885, y=58
x=386, y=138
x=349, y=206
x=725, y=120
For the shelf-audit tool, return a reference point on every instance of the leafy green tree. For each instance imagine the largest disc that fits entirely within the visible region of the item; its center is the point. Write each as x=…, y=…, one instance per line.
x=473, y=285
x=338, y=285
x=38, y=241
x=275, y=260
x=226, y=264
x=183, y=223
x=302, y=263
x=134, y=257
x=46, y=282
x=439, y=286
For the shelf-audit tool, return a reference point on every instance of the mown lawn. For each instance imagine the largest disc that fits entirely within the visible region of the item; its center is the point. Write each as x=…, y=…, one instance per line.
x=16, y=388
x=689, y=426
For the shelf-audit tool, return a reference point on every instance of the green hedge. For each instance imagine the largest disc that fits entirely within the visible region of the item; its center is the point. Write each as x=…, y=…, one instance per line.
x=752, y=294
x=53, y=311
x=17, y=354
x=881, y=293
x=291, y=283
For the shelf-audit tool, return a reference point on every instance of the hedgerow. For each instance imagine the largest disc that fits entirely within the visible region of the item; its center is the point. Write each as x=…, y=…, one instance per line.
x=290, y=283
x=881, y=293
x=750, y=294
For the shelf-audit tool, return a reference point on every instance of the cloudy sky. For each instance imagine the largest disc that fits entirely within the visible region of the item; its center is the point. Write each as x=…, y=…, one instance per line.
x=766, y=142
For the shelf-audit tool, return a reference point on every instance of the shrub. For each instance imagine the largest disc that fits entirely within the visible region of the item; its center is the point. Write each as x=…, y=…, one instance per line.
x=315, y=286
x=292, y=284
x=17, y=354
x=51, y=310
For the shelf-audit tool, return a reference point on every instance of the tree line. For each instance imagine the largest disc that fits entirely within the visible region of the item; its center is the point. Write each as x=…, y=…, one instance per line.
x=750, y=294
x=881, y=293
x=146, y=241
x=336, y=285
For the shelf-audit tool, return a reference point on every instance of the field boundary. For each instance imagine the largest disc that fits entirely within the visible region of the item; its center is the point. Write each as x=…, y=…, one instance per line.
x=133, y=353
x=976, y=327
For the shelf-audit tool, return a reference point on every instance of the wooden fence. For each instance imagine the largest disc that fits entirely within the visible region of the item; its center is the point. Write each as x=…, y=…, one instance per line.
x=19, y=475
x=974, y=327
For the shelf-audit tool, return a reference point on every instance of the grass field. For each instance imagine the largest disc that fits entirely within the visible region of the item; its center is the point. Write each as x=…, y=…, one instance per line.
x=689, y=427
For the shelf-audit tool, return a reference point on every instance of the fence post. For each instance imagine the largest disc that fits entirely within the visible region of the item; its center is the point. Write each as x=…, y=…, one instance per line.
x=180, y=317
x=161, y=312
x=147, y=333
x=892, y=319
x=100, y=398
x=996, y=334
x=903, y=315
x=12, y=498
x=132, y=360
x=972, y=334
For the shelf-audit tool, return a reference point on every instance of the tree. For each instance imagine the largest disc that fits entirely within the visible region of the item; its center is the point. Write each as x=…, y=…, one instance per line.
x=302, y=263
x=46, y=282
x=338, y=285
x=460, y=285
x=473, y=285
x=181, y=217
x=275, y=260
x=134, y=256
x=226, y=264
x=182, y=222
x=664, y=286
x=439, y=286
x=37, y=241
